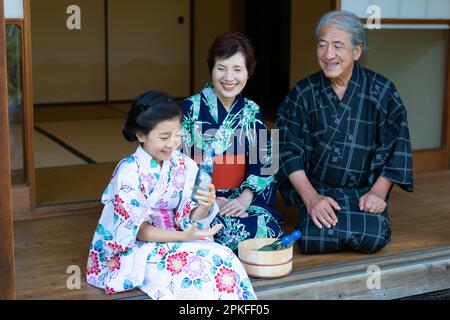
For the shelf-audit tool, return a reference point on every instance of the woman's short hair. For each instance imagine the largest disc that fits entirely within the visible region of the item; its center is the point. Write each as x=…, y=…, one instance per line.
x=227, y=45
x=147, y=110
x=346, y=21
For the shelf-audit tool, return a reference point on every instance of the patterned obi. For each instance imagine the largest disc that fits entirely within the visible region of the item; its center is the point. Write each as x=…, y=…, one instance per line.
x=229, y=170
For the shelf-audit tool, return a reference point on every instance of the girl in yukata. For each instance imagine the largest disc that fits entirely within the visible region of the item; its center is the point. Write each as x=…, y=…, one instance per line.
x=151, y=235
x=220, y=115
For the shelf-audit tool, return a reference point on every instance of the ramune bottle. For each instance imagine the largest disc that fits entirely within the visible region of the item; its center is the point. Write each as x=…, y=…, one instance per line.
x=282, y=243
x=205, y=171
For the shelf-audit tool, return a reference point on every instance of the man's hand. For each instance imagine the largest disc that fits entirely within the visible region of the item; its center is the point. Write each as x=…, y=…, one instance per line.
x=372, y=202
x=320, y=208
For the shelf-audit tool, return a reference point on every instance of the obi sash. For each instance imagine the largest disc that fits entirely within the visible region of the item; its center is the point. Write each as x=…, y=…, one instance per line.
x=228, y=172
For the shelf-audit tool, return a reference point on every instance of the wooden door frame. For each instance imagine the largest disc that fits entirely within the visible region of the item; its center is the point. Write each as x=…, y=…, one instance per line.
x=28, y=106
x=24, y=195
x=7, y=263
x=438, y=158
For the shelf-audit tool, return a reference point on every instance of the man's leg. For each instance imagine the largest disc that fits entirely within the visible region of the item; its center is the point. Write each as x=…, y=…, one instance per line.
x=364, y=231
x=369, y=232
x=360, y=231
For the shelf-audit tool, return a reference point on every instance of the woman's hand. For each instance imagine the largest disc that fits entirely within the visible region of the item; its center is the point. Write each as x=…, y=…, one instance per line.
x=237, y=207
x=221, y=202
x=193, y=232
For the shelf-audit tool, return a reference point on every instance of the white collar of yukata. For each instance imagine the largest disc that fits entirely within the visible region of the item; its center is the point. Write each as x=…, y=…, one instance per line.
x=142, y=154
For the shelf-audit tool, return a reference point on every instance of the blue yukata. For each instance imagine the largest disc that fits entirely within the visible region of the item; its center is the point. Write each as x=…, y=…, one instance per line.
x=239, y=135
x=344, y=145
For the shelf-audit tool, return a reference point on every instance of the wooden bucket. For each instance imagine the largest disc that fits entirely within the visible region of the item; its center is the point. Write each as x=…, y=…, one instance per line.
x=264, y=264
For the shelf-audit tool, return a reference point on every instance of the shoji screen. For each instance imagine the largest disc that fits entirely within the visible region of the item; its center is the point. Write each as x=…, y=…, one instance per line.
x=148, y=47
x=416, y=61
x=401, y=9
x=13, y=9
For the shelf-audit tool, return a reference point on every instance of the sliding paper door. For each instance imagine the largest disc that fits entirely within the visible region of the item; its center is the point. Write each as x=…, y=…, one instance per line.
x=148, y=47
x=68, y=64
x=416, y=61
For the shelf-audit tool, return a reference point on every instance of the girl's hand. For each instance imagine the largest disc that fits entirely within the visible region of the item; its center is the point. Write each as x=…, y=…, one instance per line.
x=205, y=202
x=206, y=198
x=193, y=232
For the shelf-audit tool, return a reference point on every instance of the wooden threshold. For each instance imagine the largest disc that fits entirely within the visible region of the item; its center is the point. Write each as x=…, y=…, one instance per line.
x=59, y=210
x=401, y=275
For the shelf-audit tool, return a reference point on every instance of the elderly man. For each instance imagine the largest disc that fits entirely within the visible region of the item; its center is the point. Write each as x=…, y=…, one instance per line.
x=344, y=142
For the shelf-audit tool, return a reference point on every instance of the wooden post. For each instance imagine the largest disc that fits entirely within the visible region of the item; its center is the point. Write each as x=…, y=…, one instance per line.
x=336, y=5
x=7, y=271
x=446, y=122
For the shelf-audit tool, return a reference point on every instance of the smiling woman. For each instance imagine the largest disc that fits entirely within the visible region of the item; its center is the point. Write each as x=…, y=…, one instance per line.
x=221, y=116
x=229, y=77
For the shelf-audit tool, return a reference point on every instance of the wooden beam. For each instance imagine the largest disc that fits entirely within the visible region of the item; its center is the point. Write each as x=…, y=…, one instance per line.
x=430, y=160
x=7, y=271
x=410, y=21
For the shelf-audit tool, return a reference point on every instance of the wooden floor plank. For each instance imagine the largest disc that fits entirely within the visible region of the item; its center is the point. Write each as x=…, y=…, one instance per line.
x=45, y=248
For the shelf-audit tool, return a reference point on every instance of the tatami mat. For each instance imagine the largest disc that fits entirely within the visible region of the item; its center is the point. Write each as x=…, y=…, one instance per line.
x=72, y=184
x=50, y=154
x=100, y=140
x=76, y=150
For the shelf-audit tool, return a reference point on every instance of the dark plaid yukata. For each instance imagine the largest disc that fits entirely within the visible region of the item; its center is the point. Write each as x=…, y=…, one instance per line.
x=344, y=146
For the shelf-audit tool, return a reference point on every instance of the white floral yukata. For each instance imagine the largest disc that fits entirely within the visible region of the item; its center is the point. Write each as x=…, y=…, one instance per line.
x=141, y=190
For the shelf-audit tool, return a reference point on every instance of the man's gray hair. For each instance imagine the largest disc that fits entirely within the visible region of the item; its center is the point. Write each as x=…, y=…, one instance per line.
x=346, y=21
